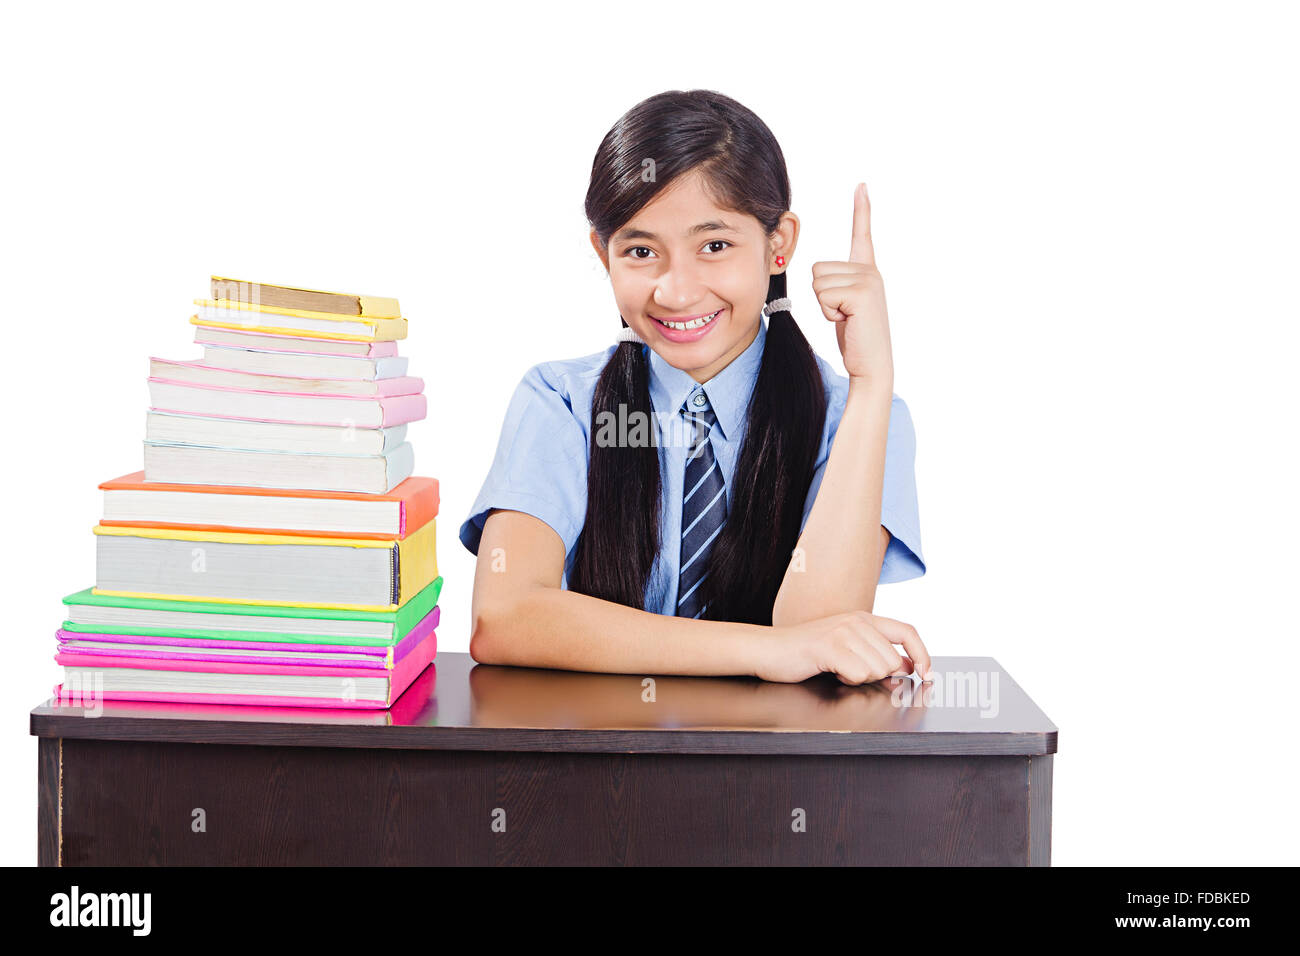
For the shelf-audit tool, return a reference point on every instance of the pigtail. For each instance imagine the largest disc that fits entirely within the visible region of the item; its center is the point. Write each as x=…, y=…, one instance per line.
x=619, y=542
x=784, y=422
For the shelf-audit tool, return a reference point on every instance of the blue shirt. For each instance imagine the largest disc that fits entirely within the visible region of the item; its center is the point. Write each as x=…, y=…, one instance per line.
x=540, y=466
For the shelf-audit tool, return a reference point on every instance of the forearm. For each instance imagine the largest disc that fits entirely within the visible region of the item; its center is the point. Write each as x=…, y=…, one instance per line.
x=840, y=548
x=545, y=626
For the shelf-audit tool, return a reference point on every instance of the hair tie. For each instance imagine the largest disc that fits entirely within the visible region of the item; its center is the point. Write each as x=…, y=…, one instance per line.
x=628, y=334
x=782, y=304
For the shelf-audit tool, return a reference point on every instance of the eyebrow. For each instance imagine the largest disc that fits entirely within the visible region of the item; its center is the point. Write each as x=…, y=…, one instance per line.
x=712, y=225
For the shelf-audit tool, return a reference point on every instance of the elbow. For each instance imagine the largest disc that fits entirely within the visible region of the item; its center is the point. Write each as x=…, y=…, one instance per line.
x=787, y=613
x=791, y=608
x=495, y=636
x=484, y=638
x=484, y=644
x=780, y=616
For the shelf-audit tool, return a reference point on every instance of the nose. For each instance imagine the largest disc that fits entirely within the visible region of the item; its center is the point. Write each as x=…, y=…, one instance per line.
x=678, y=287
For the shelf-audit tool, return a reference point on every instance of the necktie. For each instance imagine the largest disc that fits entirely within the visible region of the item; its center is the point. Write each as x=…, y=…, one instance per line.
x=704, y=505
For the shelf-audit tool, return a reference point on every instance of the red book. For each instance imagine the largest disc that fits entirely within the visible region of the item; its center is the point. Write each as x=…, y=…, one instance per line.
x=130, y=501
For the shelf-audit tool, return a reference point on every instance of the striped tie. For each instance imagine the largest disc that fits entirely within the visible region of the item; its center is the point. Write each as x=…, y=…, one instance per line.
x=704, y=505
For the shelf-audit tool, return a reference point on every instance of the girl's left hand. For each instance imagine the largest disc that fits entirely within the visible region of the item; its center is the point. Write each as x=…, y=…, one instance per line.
x=852, y=295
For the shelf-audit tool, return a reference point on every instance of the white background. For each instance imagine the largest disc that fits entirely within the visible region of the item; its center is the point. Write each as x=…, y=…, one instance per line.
x=1085, y=215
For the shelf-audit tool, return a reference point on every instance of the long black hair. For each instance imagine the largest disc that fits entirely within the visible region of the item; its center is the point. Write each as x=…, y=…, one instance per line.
x=743, y=167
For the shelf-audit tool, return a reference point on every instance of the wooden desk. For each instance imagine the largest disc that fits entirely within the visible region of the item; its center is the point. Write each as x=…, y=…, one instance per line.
x=578, y=768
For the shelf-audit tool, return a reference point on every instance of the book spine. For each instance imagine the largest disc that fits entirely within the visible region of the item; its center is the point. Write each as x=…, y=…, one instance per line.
x=418, y=564
x=417, y=636
x=402, y=409
x=379, y=307
x=412, y=667
x=402, y=385
x=410, y=614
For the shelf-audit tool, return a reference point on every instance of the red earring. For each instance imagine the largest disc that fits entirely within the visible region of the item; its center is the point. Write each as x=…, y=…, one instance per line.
x=780, y=260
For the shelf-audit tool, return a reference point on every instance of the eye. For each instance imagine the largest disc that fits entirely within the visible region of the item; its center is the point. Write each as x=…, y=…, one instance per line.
x=628, y=252
x=714, y=242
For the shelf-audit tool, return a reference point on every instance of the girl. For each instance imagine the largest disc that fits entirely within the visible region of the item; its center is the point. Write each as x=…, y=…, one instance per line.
x=678, y=503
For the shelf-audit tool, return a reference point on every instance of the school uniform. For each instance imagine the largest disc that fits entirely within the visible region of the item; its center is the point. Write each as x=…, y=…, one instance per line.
x=540, y=466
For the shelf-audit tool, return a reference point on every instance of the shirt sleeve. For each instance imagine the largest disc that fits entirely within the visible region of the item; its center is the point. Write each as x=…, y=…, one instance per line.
x=899, y=512
x=540, y=467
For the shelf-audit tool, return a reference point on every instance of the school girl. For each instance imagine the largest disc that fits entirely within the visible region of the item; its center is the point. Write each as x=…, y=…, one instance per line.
x=707, y=495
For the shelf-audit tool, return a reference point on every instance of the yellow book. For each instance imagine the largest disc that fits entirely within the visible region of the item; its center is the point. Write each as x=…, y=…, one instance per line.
x=245, y=317
x=236, y=567
x=313, y=300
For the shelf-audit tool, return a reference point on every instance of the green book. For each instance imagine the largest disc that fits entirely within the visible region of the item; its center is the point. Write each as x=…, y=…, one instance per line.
x=89, y=613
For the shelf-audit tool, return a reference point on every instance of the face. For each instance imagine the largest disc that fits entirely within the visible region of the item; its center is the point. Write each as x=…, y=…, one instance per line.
x=691, y=277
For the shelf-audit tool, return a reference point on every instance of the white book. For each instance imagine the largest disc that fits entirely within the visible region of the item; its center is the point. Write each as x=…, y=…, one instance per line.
x=206, y=335
x=172, y=429
x=308, y=574
x=197, y=465
x=304, y=365
x=255, y=319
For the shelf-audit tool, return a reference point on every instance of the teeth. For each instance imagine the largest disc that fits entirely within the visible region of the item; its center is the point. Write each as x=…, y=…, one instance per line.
x=692, y=324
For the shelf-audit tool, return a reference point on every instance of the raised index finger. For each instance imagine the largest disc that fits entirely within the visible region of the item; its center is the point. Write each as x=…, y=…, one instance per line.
x=861, y=250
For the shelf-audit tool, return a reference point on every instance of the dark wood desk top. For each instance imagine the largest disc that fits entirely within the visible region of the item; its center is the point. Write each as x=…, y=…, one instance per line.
x=973, y=707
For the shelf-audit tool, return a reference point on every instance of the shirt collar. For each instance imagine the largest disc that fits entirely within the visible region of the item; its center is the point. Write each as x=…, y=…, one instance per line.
x=728, y=391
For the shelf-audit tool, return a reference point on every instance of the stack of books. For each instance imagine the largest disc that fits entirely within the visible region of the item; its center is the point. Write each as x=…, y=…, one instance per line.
x=277, y=548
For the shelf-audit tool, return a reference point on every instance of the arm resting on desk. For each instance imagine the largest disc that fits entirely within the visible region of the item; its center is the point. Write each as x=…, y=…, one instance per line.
x=522, y=616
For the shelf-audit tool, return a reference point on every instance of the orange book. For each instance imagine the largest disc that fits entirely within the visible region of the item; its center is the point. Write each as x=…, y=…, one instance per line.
x=130, y=501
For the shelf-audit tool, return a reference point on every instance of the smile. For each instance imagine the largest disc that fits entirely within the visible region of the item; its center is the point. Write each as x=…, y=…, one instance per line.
x=696, y=323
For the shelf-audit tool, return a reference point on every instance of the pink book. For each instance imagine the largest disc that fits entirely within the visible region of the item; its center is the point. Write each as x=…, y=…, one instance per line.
x=399, y=678
x=195, y=372
x=290, y=408
x=413, y=706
